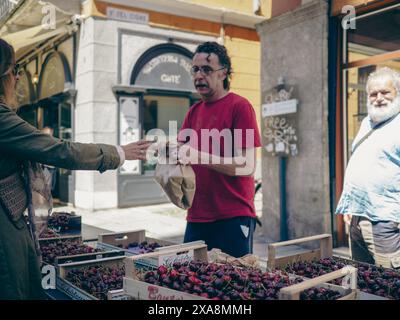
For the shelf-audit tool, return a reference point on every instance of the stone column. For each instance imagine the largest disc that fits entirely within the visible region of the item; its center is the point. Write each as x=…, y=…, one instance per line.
x=295, y=46
x=96, y=109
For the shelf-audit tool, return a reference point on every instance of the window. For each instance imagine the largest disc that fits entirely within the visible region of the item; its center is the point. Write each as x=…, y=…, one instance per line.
x=374, y=43
x=374, y=34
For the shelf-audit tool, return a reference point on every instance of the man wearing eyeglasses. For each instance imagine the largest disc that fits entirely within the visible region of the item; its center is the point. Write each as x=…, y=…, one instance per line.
x=220, y=135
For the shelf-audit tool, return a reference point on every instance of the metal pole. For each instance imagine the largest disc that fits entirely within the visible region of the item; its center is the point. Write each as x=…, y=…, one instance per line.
x=282, y=195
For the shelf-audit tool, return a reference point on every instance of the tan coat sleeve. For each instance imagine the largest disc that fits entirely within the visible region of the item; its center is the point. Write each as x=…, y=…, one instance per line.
x=20, y=139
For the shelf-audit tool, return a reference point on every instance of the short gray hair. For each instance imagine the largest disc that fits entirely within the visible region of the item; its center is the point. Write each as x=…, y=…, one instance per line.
x=385, y=72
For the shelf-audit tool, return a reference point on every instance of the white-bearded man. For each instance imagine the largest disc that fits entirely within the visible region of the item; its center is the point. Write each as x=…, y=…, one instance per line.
x=370, y=199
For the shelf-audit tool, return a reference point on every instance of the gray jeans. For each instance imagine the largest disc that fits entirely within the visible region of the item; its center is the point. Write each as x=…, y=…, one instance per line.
x=375, y=242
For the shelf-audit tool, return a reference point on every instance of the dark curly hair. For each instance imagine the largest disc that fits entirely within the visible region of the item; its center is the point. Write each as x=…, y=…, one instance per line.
x=224, y=59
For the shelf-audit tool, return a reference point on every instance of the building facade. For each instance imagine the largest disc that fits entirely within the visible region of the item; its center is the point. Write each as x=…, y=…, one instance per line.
x=111, y=71
x=325, y=50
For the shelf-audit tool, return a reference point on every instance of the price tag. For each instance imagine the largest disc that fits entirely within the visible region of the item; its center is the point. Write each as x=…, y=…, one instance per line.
x=170, y=259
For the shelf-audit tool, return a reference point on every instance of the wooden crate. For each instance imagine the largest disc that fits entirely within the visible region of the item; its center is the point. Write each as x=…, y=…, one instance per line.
x=74, y=226
x=110, y=241
x=145, y=291
x=117, y=239
x=140, y=290
x=88, y=257
x=79, y=294
x=324, y=251
x=108, y=252
x=185, y=252
x=293, y=292
x=63, y=237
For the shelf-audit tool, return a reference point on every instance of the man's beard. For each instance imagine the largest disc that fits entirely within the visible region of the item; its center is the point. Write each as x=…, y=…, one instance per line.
x=380, y=114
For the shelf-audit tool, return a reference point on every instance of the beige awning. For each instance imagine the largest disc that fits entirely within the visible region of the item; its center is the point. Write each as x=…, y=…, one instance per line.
x=31, y=23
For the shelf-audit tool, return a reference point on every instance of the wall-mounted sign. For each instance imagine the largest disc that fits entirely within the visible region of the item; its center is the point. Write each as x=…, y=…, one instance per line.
x=129, y=130
x=279, y=108
x=127, y=16
x=279, y=113
x=167, y=70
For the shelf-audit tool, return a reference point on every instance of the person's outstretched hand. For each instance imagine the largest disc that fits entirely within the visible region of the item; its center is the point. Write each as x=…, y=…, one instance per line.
x=136, y=150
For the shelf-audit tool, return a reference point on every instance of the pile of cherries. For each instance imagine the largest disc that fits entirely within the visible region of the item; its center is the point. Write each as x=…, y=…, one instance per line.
x=48, y=233
x=319, y=294
x=143, y=247
x=97, y=280
x=371, y=279
x=226, y=282
x=61, y=247
x=59, y=221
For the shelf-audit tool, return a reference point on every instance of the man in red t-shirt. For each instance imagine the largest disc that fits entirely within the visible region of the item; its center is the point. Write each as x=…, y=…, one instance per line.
x=220, y=135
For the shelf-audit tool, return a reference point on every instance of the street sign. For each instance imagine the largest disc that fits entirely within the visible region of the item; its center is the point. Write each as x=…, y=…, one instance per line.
x=128, y=16
x=279, y=108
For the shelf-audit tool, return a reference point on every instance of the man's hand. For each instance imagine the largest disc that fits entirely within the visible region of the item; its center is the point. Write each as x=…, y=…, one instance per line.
x=347, y=218
x=136, y=150
x=243, y=165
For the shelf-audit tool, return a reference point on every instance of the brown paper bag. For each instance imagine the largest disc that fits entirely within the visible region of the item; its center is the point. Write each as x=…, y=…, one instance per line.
x=178, y=182
x=248, y=261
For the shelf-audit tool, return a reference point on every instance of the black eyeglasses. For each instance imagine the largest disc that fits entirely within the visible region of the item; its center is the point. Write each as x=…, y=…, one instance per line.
x=204, y=70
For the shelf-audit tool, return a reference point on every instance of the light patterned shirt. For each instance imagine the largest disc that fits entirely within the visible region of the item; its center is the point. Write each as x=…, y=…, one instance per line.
x=371, y=186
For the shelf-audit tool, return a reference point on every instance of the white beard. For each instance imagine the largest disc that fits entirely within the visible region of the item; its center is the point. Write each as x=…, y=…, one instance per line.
x=381, y=114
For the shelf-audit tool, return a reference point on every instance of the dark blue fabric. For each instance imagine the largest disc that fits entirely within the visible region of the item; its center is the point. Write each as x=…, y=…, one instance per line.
x=226, y=235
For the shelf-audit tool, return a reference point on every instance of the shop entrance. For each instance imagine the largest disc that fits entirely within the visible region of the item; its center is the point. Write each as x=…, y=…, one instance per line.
x=373, y=44
x=161, y=90
x=158, y=111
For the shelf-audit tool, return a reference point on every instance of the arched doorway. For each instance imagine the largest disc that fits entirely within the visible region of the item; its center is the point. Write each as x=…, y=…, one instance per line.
x=161, y=90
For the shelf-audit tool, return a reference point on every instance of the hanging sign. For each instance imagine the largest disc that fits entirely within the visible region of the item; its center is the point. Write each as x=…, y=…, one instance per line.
x=168, y=71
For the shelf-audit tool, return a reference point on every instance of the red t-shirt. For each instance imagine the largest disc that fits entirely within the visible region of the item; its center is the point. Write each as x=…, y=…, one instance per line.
x=219, y=196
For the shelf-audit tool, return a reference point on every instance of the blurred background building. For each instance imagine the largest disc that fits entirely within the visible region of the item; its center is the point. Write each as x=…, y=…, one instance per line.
x=110, y=71
x=326, y=50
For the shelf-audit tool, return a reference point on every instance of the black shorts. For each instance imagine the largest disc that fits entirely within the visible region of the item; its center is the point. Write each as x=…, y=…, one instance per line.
x=233, y=236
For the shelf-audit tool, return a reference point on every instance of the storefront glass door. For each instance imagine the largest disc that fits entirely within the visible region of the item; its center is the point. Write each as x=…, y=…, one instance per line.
x=158, y=111
x=374, y=43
